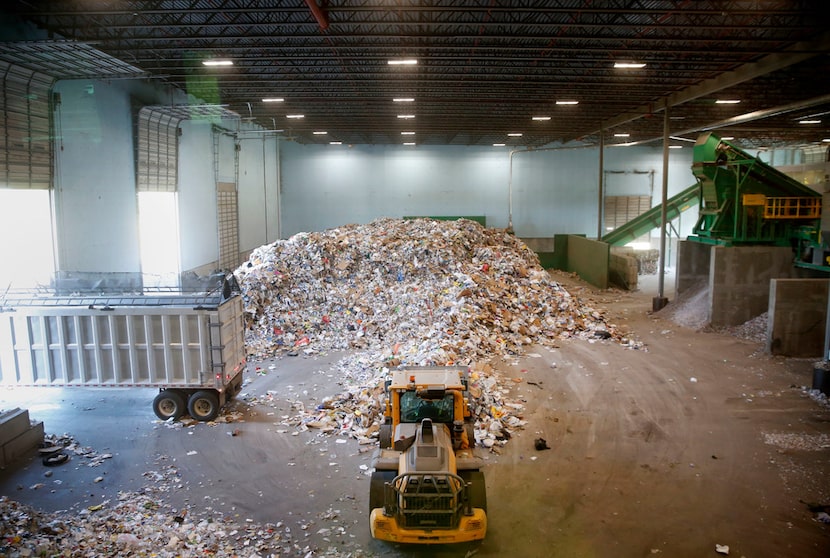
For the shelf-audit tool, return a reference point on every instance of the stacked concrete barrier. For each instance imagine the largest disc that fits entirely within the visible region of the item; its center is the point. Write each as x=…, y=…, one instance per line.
x=18, y=435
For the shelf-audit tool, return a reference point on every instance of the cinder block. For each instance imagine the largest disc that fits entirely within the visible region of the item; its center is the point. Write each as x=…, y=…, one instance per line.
x=13, y=423
x=22, y=445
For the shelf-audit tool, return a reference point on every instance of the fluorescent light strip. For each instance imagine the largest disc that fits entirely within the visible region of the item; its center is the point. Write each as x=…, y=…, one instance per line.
x=407, y=133
x=567, y=102
x=809, y=121
x=498, y=145
x=409, y=143
x=320, y=133
x=621, y=135
x=406, y=116
x=403, y=100
x=675, y=147
x=217, y=62
x=728, y=138
x=295, y=115
x=273, y=100
x=629, y=65
x=403, y=62
x=514, y=135
x=335, y=143
x=727, y=101
x=541, y=118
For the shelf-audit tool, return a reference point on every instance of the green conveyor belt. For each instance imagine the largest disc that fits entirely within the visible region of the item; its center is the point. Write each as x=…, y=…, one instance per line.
x=651, y=219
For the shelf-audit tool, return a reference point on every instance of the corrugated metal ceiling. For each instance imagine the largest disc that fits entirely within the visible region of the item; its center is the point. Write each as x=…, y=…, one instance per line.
x=484, y=69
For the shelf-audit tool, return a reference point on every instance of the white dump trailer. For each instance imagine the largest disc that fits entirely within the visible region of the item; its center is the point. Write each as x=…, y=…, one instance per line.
x=189, y=346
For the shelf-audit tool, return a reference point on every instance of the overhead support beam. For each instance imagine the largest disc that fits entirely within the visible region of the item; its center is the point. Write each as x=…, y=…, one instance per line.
x=747, y=117
x=795, y=54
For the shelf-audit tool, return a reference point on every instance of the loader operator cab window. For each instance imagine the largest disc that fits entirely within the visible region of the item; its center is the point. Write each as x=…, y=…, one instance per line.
x=415, y=409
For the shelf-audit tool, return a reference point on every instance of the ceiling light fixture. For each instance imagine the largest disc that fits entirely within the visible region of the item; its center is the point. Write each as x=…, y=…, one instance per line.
x=320, y=133
x=217, y=62
x=567, y=102
x=514, y=135
x=403, y=100
x=409, y=143
x=675, y=147
x=621, y=135
x=273, y=100
x=629, y=65
x=335, y=143
x=406, y=116
x=498, y=145
x=809, y=121
x=541, y=118
x=727, y=101
x=403, y=62
x=826, y=140
x=728, y=138
x=295, y=115
x=407, y=133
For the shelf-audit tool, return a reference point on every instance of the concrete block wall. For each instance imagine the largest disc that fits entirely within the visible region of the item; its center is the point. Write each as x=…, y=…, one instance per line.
x=693, y=263
x=797, y=317
x=19, y=436
x=739, y=281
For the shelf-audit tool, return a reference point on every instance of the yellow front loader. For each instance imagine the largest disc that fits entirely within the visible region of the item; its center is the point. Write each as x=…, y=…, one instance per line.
x=427, y=486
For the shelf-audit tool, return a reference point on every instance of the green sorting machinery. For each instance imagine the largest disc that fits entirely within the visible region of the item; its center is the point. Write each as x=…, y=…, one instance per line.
x=744, y=201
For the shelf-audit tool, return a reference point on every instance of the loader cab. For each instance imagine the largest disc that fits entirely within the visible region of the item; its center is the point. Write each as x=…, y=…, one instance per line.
x=419, y=405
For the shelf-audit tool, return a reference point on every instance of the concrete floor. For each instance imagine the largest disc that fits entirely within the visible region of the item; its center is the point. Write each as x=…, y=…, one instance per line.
x=698, y=440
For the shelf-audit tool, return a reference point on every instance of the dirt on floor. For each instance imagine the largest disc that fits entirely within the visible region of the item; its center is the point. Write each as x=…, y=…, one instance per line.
x=697, y=442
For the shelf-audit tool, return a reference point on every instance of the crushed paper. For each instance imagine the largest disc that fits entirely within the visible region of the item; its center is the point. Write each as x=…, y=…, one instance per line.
x=430, y=291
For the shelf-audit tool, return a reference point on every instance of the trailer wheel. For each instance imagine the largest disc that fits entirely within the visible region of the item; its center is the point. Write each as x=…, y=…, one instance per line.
x=203, y=405
x=376, y=488
x=477, y=490
x=169, y=404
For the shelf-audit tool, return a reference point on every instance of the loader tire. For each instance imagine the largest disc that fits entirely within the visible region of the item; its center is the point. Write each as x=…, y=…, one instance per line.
x=478, y=491
x=376, y=488
x=385, y=436
x=169, y=404
x=203, y=405
x=470, y=430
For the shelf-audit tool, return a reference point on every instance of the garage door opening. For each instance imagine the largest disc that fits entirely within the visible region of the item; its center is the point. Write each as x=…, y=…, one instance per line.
x=158, y=226
x=27, y=250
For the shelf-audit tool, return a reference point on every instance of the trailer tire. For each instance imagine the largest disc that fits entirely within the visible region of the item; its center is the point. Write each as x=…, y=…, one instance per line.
x=169, y=404
x=376, y=488
x=478, y=491
x=203, y=405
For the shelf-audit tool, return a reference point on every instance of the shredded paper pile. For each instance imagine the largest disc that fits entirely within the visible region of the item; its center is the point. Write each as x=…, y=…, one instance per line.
x=425, y=291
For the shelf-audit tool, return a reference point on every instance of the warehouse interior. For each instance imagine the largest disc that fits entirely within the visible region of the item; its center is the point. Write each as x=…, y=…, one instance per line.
x=155, y=146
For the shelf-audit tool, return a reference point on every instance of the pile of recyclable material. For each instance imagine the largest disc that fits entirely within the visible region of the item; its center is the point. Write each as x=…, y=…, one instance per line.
x=423, y=291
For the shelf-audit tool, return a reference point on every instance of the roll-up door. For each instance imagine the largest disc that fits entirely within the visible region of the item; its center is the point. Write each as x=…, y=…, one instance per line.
x=25, y=141
x=158, y=151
